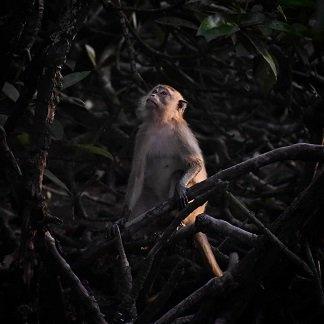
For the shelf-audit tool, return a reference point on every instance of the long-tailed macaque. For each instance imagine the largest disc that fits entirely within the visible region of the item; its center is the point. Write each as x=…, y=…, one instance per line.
x=167, y=159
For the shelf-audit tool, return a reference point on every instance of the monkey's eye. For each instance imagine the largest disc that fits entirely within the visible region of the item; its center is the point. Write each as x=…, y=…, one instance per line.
x=164, y=93
x=154, y=91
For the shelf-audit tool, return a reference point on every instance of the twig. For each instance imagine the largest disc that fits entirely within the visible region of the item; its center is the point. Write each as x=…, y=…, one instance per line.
x=143, y=273
x=6, y=153
x=156, y=306
x=184, y=319
x=7, y=234
x=273, y=238
x=317, y=278
x=126, y=306
x=32, y=28
x=137, y=76
x=154, y=52
x=86, y=300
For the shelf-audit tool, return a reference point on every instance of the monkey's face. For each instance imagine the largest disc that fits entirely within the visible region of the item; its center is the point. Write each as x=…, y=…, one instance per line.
x=164, y=99
x=158, y=98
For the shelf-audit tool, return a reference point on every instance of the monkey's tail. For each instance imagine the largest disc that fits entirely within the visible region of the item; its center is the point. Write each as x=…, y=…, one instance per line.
x=205, y=249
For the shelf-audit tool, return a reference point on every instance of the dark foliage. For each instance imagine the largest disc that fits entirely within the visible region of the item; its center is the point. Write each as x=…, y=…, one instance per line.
x=71, y=74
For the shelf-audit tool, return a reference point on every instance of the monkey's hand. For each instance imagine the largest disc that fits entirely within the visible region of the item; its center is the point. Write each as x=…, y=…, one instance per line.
x=181, y=195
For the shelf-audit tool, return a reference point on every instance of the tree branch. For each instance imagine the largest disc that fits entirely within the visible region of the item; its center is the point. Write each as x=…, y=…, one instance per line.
x=210, y=225
x=215, y=286
x=301, y=151
x=86, y=300
x=273, y=238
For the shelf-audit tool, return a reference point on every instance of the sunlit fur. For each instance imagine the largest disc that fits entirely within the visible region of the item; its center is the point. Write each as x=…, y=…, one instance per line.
x=166, y=112
x=165, y=147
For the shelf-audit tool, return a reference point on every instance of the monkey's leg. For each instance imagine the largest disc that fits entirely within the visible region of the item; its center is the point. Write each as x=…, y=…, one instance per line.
x=207, y=253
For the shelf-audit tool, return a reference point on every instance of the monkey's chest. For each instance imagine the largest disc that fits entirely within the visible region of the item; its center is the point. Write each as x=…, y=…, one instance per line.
x=162, y=161
x=162, y=153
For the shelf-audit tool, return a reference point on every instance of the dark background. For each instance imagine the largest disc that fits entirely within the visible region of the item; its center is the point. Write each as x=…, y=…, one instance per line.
x=72, y=73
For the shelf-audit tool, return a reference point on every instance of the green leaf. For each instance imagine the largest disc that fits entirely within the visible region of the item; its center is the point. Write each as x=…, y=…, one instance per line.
x=262, y=50
x=23, y=139
x=251, y=18
x=280, y=10
x=264, y=76
x=279, y=25
x=56, y=130
x=175, y=22
x=92, y=54
x=89, y=148
x=52, y=177
x=214, y=26
x=10, y=91
x=293, y=30
x=73, y=78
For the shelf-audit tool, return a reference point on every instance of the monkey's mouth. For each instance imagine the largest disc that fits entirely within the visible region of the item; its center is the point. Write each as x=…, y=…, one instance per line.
x=151, y=102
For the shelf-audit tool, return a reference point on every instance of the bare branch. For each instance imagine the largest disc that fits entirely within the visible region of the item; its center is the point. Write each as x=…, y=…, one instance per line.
x=156, y=306
x=274, y=239
x=209, y=225
x=6, y=153
x=301, y=151
x=126, y=301
x=85, y=299
x=215, y=286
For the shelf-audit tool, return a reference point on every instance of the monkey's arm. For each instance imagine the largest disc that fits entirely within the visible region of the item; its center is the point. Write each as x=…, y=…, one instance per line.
x=134, y=186
x=193, y=166
x=136, y=177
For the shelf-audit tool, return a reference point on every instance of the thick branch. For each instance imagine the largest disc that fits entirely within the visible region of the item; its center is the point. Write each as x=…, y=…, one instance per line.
x=167, y=234
x=258, y=262
x=86, y=300
x=210, y=225
x=214, y=286
x=301, y=151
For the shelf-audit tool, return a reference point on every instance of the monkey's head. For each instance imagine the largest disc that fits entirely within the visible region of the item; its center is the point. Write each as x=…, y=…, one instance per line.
x=164, y=101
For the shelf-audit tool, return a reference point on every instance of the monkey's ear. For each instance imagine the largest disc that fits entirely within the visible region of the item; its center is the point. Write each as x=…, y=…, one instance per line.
x=182, y=105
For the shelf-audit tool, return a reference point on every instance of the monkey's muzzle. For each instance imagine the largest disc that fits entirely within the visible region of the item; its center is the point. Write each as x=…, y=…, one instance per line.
x=151, y=101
